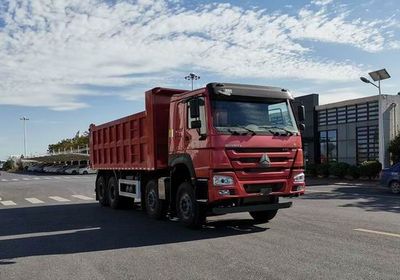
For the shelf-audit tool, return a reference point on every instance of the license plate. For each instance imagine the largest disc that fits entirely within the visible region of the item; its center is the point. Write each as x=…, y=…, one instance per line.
x=265, y=191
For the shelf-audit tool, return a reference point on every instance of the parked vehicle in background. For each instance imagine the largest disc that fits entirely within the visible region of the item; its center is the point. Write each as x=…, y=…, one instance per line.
x=390, y=177
x=74, y=169
x=86, y=170
x=61, y=169
x=225, y=148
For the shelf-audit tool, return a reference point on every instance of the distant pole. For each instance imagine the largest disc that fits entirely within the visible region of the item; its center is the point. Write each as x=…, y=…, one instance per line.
x=192, y=77
x=24, y=119
x=377, y=76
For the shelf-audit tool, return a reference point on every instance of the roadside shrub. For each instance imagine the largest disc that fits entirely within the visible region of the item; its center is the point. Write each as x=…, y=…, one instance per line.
x=311, y=170
x=370, y=169
x=394, y=148
x=353, y=171
x=323, y=170
x=338, y=169
x=8, y=165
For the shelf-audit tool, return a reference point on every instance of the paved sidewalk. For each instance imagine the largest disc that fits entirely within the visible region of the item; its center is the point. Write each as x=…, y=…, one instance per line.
x=336, y=181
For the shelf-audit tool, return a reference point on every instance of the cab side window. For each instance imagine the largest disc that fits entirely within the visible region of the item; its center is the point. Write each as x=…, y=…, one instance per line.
x=197, y=122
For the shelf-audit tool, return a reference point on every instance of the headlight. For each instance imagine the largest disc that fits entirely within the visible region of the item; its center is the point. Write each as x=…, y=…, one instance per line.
x=220, y=180
x=299, y=178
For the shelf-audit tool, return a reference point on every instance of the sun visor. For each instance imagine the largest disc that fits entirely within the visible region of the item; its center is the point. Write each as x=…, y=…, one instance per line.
x=228, y=89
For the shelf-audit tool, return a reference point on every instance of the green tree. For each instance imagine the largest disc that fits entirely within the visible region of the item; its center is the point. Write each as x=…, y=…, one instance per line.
x=394, y=149
x=70, y=143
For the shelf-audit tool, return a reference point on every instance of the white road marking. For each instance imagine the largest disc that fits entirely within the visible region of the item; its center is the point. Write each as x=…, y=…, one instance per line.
x=25, y=179
x=8, y=203
x=82, y=197
x=378, y=232
x=33, y=200
x=315, y=191
x=15, y=180
x=47, y=178
x=41, y=234
x=58, y=198
x=36, y=178
x=4, y=180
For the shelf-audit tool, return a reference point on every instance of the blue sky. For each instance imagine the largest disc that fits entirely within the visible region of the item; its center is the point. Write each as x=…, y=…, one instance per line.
x=68, y=63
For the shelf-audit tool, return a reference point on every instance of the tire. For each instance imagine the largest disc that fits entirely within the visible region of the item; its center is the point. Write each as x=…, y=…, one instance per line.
x=101, y=191
x=263, y=216
x=155, y=207
x=395, y=187
x=85, y=173
x=113, y=195
x=74, y=172
x=190, y=213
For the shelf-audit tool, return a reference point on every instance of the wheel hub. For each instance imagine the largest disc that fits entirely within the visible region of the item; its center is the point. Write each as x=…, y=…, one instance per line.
x=186, y=206
x=395, y=187
x=151, y=199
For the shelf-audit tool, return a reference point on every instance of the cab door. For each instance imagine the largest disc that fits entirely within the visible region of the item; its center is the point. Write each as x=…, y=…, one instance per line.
x=195, y=135
x=178, y=128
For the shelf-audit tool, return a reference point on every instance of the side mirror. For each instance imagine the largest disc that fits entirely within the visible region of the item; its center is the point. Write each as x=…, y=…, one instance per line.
x=302, y=126
x=194, y=108
x=195, y=124
x=301, y=113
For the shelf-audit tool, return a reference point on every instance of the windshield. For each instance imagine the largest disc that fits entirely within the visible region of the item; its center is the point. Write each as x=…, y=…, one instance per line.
x=258, y=116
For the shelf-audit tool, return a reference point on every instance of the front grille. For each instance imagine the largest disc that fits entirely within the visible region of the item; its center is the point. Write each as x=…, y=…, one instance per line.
x=256, y=188
x=259, y=170
x=260, y=150
x=246, y=162
x=257, y=159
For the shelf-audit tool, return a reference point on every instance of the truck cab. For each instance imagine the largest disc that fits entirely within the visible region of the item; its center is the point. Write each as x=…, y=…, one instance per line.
x=240, y=145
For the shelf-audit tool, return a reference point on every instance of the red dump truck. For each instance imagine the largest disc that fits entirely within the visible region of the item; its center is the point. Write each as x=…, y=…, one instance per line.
x=225, y=148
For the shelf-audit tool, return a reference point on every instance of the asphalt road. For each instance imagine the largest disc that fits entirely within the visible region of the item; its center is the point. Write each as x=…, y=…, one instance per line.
x=51, y=228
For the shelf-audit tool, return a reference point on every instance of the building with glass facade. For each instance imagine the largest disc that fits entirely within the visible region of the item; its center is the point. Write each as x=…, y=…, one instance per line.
x=348, y=131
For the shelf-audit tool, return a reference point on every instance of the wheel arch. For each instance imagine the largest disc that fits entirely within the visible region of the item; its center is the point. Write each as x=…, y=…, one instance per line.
x=181, y=170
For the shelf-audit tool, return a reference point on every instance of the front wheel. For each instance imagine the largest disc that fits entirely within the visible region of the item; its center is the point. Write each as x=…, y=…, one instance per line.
x=395, y=187
x=190, y=213
x=263, y=216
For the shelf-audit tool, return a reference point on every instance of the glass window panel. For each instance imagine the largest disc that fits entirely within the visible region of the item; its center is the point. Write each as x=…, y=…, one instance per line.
x=332, y=151
x=332, y=135
x=322, y=136
x=324, y=157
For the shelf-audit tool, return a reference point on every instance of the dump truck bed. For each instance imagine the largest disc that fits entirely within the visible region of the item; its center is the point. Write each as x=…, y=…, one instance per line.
x=135, y=142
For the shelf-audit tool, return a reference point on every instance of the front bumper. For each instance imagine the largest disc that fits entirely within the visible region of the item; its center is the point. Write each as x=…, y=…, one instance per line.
x=251, y=208
x=256, y=188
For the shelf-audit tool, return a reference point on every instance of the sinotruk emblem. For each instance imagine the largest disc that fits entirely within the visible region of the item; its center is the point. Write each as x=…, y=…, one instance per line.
x=265, y=161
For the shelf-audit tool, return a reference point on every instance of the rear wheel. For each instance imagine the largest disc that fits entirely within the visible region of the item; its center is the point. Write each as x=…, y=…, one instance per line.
x=395, y=187
x=101, y=191
x=113, y=195
x=155, y=207
x=189, y=210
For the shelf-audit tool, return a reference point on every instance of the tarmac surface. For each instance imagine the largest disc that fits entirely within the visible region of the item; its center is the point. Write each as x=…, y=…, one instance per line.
x=52, y=228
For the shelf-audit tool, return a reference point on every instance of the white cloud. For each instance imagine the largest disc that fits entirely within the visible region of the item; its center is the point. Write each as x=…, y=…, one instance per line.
x=54, y=52
x=321, y=2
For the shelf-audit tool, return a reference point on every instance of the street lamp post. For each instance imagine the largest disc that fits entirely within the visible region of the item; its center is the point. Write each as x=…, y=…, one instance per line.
x=377, y=76
x=192, y=77
x=24, y=119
